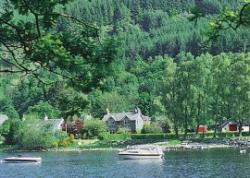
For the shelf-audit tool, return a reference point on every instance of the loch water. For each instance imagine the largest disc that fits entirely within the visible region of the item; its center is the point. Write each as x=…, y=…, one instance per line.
x=225, y=163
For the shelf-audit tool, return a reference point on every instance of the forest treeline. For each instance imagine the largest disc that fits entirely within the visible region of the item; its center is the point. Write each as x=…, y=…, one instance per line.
x=160, y=61
x=149, y=28
x=196, y=90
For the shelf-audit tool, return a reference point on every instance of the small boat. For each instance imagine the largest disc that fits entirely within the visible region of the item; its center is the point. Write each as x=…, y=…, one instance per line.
x=22, y=159
x=142, y=152
x=243, y=151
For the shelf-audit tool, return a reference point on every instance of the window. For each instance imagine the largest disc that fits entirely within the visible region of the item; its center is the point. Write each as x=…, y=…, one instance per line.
x=126, y=122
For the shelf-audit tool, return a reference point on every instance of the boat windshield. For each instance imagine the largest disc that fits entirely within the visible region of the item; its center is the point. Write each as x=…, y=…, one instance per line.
x=144, y=147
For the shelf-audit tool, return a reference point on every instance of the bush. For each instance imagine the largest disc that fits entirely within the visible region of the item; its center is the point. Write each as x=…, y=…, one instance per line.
x=7, y=107
x=106, y=136
x=166, y=125
x=64, y=140
x=36, y=139
x=153, y=128
x=158, y=136
x=93, y=128
x=10, y=130
x=40, y=138
x=31, y=135
x=123, y=130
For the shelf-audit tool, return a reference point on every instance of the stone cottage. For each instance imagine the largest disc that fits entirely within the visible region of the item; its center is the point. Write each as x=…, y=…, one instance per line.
x=133, y=120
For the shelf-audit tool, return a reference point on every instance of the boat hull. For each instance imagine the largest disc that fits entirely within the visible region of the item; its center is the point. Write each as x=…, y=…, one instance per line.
x=21, y=160
x=140, y=156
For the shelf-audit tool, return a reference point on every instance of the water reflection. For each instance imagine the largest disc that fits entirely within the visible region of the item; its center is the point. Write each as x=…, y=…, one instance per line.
x=142, y=161
x=183, y=164
x=18, y=164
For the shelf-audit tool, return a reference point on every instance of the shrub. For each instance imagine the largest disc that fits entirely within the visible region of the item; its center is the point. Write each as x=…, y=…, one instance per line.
x=153, y=128
x=93, y=128
x=166, y=125
x=106, y=136
x=123, y=130
x=64, y=139
x=156, y=136
x=31, y=135
x=7, y=107
x=10, y=130
x=36, y=139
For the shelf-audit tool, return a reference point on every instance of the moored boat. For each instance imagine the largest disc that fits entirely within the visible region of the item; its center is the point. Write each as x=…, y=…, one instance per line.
x=142, y=152
x=21, y=159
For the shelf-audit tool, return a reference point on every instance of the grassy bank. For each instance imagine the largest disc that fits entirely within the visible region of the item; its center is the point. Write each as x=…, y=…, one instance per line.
x=118, y=141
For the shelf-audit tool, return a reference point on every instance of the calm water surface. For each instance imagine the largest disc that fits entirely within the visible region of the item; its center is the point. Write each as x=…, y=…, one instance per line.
x=224, y=163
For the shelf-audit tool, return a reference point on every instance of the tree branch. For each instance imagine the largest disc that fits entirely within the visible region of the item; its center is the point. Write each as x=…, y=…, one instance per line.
x=10, y=71
x=241, y=15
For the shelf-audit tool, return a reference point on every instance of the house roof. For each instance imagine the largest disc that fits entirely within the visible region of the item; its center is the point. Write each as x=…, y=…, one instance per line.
x=133, y=115
x=3, y=118
x=227, y=122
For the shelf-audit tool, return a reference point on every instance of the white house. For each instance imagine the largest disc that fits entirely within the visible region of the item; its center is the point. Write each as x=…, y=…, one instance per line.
x=229, y=126
x=245, y=128
x=232, y=126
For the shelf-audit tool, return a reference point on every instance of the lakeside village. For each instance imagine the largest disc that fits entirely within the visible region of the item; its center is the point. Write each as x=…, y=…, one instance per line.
x=116, y=130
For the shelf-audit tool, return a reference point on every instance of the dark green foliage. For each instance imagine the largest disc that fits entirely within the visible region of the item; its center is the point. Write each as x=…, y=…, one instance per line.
x=158, y=136
x=31, y=135
x=93, y=128
x=11, y=129
x=6, y=107
x=43, y=109
x=151, y=28
x=35, y=139
x=106, y=136
x=36, y=41
x=27, y=92
x=162, y=136
x=152, y=128
x=120, y=54
x=67, y=100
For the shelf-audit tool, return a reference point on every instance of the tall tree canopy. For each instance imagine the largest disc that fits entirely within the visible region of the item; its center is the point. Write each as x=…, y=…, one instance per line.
x=38, y=39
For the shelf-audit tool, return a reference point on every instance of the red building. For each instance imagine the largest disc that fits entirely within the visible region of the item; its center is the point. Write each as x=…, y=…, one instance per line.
x=201, y=129
x=229, y=126
x=233, y=127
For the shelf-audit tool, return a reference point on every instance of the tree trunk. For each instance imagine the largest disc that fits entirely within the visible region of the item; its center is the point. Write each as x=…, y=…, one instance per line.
x=197, y=128
x=198, y=114
x=176, y=131
x=240, y=128
x=215, y=131
x=186, y=123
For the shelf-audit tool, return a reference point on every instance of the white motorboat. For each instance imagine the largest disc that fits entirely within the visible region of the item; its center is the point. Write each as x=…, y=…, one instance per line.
x=142, y=152
x=22, y=159
x=243, y=151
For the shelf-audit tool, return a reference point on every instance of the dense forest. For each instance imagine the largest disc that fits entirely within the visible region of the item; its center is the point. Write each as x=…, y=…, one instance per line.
x=126, y=53
x=151, y=28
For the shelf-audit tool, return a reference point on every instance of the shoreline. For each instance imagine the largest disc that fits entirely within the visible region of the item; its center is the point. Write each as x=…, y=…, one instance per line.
x=166, y=148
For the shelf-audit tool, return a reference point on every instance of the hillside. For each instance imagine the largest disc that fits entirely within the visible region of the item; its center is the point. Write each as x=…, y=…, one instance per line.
x=149, y=28
x=143, y=53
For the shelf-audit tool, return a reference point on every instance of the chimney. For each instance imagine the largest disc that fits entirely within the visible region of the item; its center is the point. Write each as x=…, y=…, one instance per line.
x=46, y=118
x=107, y=110
x=137, y=110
